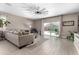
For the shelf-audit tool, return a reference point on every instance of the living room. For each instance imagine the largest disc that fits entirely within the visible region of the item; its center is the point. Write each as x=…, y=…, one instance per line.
x=39, y=29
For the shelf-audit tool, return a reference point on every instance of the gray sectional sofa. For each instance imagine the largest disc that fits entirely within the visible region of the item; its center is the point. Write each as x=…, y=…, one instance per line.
x=19, y=40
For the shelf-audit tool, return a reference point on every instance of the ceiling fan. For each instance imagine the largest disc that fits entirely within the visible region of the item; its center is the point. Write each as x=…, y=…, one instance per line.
x=36, y=10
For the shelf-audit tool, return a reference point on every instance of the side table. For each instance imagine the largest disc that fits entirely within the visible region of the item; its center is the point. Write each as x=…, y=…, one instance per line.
x=1, y=35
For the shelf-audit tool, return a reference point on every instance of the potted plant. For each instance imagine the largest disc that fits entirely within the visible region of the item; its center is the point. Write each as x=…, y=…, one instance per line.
x=56, y=30
x=2, y=23
x=71, y=36
x=6, y=23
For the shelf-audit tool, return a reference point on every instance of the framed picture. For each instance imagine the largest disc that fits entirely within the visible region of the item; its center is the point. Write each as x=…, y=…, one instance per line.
x=68, y=23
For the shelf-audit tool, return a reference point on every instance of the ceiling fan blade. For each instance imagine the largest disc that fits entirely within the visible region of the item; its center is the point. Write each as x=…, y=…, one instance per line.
x=30, y=8
x=43, y=9
x=45, y=12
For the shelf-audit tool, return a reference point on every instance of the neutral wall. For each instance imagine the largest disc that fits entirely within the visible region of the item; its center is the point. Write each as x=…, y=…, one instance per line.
x=38, y=25
x=64, y=30
x=17, y=22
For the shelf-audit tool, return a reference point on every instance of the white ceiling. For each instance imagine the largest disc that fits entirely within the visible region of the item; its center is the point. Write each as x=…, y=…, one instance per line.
x=53, y=9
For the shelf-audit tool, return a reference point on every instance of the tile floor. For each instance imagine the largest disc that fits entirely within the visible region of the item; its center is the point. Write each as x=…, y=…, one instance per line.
x=52, y=46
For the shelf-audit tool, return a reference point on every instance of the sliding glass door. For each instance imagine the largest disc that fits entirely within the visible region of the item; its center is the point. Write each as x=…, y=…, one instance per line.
x=52, y=29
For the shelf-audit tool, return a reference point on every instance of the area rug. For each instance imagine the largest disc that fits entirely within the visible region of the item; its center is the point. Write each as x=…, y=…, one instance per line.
x=37, y=42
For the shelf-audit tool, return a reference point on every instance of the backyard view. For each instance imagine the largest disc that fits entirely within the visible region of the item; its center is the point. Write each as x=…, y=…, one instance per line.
x=52, y=29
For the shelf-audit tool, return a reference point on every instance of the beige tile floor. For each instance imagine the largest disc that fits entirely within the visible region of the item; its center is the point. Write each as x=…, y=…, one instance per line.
x=52, y=46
